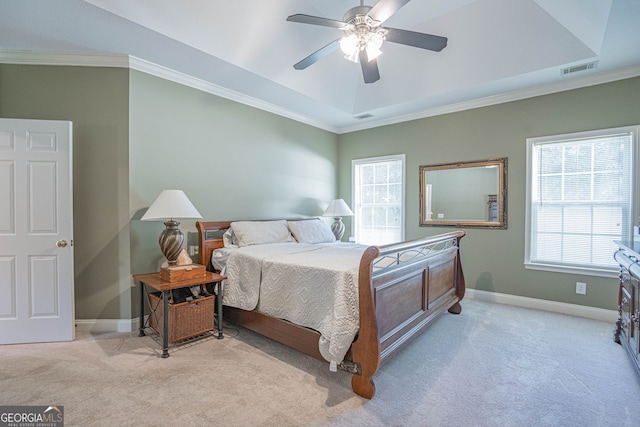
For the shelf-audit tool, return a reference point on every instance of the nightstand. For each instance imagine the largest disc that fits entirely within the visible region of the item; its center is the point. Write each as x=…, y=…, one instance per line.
x=153, y=281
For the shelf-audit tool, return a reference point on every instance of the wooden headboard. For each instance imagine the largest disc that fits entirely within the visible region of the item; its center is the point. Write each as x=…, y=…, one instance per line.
x=209, y=239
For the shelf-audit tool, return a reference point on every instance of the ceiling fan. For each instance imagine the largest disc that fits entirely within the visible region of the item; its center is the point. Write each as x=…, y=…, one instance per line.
x=364, y=36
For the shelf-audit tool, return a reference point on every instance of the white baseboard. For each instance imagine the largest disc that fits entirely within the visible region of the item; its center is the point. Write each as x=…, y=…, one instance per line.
x=544, y=305
x=107, y=325
x=130, y=325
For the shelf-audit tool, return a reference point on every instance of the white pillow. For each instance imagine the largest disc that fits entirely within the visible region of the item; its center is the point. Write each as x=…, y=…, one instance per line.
x=228, y=239
x=311, y=231
x=249, y=233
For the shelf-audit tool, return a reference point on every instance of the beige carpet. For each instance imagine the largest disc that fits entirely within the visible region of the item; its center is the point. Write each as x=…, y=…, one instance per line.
x=493, y=365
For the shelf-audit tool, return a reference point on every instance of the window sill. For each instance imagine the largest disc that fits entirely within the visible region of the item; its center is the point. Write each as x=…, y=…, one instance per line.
x=611, y=273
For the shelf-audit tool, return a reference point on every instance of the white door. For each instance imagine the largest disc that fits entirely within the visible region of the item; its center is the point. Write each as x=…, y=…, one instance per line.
x=36, y=232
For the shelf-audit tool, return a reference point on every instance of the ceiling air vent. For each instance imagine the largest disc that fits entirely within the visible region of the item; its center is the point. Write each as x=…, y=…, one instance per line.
x=581, y=67
x=363, y=116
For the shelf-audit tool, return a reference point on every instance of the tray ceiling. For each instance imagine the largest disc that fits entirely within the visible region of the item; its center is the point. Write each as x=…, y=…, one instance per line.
x=498, y=50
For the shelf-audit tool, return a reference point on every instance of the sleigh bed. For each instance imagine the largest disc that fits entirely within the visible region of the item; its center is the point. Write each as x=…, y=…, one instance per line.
x=400, y=290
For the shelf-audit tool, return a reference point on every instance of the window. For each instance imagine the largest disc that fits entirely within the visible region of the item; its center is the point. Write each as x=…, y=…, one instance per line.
x=379, y=199
x=579, y=199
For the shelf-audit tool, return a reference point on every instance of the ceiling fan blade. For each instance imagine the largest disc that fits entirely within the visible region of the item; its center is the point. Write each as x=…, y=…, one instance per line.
x=317, y=55
x=415, y=39
x=316, y=20
x=369, y=68
x=384, y=9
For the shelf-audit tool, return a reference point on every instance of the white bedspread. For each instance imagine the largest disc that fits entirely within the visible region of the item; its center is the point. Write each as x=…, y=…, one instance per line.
x=312, y=285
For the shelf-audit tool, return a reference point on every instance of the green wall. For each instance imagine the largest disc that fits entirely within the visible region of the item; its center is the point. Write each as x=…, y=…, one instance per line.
x=135, y=135
x=232, y=161
x=96, y=101
x=493, y=260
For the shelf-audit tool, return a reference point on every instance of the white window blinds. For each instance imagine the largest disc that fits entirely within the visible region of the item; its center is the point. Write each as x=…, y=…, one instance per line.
x=580, y=198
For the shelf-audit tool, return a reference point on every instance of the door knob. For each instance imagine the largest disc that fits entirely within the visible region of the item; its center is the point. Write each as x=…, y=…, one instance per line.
x=61, y=243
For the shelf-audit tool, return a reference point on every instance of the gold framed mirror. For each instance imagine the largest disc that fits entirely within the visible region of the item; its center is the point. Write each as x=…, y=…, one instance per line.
x=465, y=194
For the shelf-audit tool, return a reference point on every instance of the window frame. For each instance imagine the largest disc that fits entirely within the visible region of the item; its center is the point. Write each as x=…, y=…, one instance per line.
x=633, y=211
x=354, y=190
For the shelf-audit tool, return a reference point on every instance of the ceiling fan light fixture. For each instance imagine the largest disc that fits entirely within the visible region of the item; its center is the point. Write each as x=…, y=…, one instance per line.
x=350, y=45
x=373, y=52
x=374, y=43
x=365, y=35
x=353, y=56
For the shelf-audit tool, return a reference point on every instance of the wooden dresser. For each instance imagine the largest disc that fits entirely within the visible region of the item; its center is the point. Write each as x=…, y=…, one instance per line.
x=627, y=331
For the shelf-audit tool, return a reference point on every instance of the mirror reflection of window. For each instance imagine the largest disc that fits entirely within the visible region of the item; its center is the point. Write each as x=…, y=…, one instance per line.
x=428, y=206
x=492, y=208
x=468, y=194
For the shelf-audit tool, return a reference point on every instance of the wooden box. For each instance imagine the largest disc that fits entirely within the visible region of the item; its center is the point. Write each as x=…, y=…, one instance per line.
x=176, y=273
x=186, y=319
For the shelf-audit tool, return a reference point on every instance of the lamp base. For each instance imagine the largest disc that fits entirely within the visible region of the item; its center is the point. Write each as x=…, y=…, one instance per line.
x=337, y=227
x=171, y=241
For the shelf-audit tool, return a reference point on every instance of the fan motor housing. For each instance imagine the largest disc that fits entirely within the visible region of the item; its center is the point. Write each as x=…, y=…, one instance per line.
x=358, y=16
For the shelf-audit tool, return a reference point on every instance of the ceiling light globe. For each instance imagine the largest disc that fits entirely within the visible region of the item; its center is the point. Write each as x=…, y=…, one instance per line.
x=349, y=44
x=373, y=53
x=375, y=40
x=374, y=43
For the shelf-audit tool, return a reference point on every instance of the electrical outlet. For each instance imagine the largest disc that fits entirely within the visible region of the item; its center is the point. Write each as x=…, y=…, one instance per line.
x=581, y=288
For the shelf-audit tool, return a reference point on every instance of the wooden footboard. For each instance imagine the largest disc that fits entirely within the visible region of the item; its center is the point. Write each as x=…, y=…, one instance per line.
x=403, y=288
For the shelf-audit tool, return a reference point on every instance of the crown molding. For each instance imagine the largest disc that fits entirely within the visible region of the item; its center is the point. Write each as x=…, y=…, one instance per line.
x=134, y=63
x=60, y=58
x=575, y=83
x=193, y=82
x=131, y=62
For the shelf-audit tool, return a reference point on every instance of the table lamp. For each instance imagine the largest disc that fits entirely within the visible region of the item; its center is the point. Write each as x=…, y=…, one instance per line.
x=169, y=206
x=337, y=209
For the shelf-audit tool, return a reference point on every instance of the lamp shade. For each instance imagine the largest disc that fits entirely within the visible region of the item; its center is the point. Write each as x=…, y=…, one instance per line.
x=337, y=208
x=171, y=204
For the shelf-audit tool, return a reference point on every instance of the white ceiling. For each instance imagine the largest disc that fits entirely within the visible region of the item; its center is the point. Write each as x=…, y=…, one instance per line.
x=498, y=50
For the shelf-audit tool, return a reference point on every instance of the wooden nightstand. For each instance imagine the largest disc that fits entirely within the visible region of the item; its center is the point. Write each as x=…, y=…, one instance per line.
x=153, y=281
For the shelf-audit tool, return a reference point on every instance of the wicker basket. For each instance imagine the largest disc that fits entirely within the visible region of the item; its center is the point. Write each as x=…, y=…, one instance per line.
x=186, y=319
